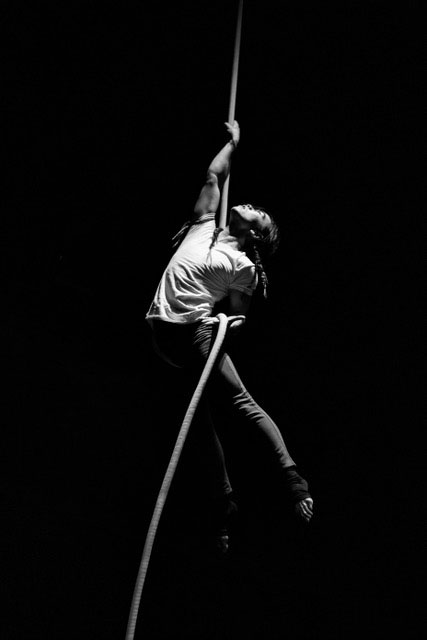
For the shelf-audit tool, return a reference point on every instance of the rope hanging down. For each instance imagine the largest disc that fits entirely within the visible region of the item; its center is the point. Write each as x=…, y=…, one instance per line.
x=224, y=321
x=231, y=111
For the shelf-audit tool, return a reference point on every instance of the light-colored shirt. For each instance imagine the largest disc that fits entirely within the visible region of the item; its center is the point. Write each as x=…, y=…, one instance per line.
x=198, y=276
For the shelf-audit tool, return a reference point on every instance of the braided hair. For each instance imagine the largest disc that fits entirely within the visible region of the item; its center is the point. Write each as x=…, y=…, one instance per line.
x=259, y=270
x=264, y=245
x=215, y=235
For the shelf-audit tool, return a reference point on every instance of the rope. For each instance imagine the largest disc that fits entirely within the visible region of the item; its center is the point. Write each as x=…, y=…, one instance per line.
x=231, y=111
x=167, y=480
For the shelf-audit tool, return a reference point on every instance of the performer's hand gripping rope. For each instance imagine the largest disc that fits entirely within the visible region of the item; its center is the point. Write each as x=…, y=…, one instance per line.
x=224, y=321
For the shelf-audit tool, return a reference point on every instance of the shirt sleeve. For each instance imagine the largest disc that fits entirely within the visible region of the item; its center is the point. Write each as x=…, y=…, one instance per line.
x=244, y=278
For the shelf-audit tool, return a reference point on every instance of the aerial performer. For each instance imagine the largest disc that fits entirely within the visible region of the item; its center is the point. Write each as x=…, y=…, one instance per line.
x=211, y=266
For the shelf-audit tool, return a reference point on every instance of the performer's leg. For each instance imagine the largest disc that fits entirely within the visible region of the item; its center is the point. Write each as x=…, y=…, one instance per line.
x=193, y=342
x=226, y=384
x=211, y=452
x=174, y=343
x=226, y=381
x=223, y=508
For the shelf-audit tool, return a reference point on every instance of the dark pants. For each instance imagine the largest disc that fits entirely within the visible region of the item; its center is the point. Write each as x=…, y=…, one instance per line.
x=188, y=345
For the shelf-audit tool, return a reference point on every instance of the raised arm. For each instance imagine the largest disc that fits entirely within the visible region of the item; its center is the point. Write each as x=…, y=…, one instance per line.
x=218, y=170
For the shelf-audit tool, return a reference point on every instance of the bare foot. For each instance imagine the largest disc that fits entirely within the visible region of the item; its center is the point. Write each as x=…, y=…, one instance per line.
x=304, y=509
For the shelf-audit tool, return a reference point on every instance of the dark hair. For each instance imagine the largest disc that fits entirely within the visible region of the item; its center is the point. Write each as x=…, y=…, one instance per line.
x=264, y=245
x=270, y=236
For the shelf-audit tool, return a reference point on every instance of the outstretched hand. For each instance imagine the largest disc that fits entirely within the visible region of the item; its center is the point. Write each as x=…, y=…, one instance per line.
x=234, y=131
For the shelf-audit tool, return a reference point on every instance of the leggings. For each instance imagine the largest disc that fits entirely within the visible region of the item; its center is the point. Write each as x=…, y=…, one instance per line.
x=188, y=346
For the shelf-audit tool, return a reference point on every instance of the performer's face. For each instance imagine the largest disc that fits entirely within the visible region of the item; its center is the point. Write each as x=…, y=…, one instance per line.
x=254, y=218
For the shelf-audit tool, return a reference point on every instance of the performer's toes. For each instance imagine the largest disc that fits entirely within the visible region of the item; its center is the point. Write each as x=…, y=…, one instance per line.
x=304, y=509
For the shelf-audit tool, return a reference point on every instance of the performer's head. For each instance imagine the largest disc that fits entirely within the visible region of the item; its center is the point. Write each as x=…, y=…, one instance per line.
x=260, y=235
x=258, y=227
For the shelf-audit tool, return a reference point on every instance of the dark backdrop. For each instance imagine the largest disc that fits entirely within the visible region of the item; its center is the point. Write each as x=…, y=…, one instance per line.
x=111, y=115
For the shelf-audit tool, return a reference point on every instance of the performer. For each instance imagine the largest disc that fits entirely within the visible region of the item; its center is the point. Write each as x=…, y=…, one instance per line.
x=213, y=265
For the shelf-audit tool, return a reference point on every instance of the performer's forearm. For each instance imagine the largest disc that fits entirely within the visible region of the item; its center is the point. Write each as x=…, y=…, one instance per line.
x=220, y=165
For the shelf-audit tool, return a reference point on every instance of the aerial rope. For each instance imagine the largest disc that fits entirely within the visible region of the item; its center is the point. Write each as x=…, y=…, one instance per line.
x=231, y=112
x=224, y=322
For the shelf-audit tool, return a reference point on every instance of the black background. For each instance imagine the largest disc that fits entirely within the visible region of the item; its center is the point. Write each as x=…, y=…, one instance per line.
x=111, y=115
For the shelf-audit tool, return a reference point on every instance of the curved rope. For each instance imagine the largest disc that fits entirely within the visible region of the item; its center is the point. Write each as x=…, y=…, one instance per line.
x=167, y=480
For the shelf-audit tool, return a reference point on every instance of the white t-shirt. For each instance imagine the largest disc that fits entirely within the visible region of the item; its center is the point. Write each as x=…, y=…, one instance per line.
x=198, y=276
